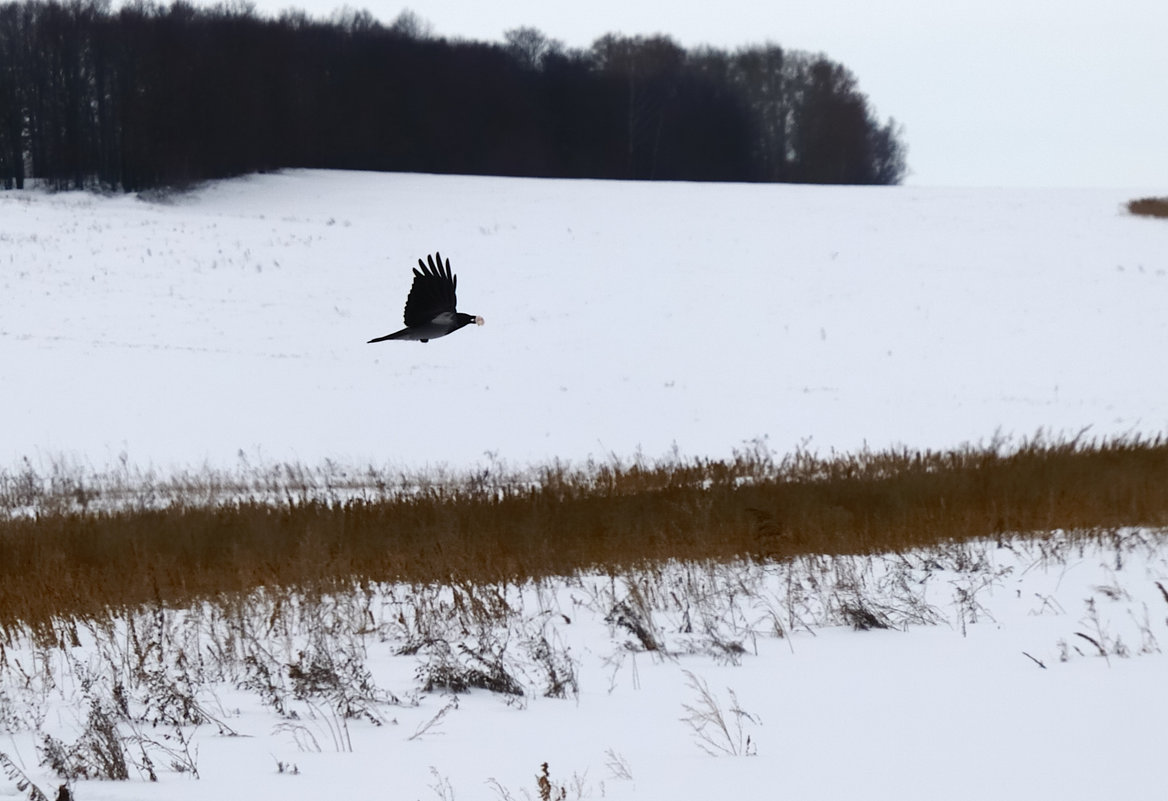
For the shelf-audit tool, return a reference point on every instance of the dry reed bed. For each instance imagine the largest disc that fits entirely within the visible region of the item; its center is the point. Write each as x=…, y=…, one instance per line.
x=58, y=560
x=1149, y=206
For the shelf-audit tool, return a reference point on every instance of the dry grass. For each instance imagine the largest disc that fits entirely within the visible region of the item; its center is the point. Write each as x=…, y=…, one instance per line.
x=60, y=560
x=1149, y=207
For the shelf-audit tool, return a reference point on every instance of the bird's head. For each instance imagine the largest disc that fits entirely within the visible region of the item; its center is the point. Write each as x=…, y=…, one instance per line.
x=479, y=320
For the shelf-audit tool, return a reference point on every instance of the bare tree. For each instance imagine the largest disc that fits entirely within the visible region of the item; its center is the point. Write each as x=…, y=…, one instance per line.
x=529, y=46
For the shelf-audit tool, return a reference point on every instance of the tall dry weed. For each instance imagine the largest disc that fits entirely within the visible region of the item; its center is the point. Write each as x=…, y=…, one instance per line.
x=1149, y=206
x=59, y=559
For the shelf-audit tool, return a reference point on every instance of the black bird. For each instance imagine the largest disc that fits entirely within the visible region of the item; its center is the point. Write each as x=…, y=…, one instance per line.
x=430, y=305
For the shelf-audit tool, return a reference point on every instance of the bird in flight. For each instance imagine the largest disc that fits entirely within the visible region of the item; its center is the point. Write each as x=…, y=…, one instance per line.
x=430, y=311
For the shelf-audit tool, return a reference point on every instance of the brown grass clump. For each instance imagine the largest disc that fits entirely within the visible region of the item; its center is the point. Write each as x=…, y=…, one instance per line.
x=60, y=561
x=1149, y=207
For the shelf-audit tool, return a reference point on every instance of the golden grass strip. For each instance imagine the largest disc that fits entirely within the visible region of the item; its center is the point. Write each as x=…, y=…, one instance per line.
x=1149, y=207
x=560, y=520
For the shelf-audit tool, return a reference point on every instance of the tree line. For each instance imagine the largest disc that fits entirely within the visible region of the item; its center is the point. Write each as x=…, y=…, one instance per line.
x=157, y=95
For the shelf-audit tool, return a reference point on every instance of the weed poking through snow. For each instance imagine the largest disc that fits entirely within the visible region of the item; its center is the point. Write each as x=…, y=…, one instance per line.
x=718, y=730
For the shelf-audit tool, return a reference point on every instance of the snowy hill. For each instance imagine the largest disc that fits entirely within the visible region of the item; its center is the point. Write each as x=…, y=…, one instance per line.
x=233, y=319
x=227, y=326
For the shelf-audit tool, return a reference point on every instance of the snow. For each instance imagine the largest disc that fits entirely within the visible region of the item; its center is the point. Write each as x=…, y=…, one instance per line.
x=228, y=324
x=957, y=708
x=233, y=319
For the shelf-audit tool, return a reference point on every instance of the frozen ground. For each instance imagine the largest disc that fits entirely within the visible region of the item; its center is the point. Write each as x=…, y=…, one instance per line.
x=233, y=320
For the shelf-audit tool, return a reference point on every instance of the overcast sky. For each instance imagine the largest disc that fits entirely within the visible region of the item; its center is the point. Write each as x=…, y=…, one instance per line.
x=991, y=92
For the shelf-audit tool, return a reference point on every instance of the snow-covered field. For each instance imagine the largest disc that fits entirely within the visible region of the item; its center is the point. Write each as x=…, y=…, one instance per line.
x=950, y=702
x=227, y=326
x=233, y=320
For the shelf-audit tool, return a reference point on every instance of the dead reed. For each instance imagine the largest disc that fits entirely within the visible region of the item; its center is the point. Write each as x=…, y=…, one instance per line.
x=59, y=561
x=1149, y=206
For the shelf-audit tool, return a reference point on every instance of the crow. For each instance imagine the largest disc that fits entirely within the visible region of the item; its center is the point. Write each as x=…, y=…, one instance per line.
x=430, y=311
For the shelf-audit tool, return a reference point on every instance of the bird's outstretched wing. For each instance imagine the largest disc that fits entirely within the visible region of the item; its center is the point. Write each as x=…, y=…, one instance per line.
x=433, y=291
